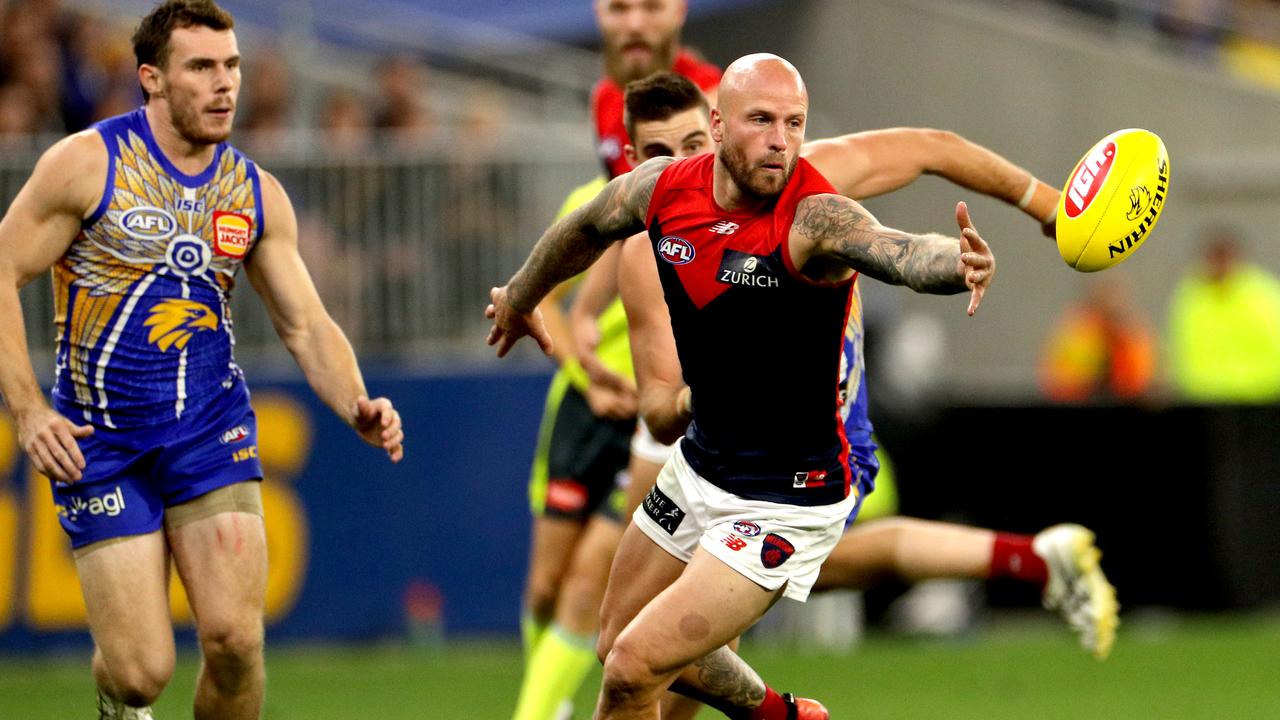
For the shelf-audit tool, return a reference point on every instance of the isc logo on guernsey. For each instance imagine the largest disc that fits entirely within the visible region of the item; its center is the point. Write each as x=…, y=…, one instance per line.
x=675, y=250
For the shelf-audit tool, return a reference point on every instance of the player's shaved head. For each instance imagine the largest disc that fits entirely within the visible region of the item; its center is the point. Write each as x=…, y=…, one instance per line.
x=759, y=121
x=761, y=74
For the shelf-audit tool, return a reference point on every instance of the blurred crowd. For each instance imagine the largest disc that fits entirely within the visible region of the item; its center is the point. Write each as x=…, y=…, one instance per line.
x=61, y=71
x=1222, y=343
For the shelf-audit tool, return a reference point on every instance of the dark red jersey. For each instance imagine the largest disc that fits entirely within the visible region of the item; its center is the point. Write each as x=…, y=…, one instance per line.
x=606, y=109
x=759, y=342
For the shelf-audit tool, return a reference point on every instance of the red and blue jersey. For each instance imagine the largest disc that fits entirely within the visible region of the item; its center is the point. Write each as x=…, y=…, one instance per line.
x=142, y=295
x=760, y=344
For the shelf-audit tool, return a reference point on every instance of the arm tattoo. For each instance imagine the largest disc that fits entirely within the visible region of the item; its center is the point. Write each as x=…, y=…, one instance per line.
x=724, y=682
x=572, y=244
x=924, y=263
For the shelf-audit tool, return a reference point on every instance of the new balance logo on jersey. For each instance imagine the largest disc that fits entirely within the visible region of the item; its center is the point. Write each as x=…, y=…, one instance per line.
x=663, y=510
x=724, y=227
x=738, y=268
x=110, y=504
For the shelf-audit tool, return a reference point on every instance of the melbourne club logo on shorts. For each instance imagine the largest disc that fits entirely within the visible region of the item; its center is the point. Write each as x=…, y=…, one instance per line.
x=776, y=550
x=663, y=510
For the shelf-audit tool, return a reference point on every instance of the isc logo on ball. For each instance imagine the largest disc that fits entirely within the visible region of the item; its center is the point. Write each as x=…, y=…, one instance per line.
x=675, y=250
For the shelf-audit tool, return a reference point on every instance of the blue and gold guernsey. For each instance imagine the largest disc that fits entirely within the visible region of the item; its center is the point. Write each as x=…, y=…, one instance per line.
x=144, y=336
x=142, y=295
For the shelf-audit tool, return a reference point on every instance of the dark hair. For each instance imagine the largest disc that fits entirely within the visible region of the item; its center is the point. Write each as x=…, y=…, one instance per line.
x=151, y=39
x=658, y=97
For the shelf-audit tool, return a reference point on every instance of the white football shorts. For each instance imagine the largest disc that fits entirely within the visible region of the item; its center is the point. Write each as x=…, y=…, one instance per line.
x=771, y=544
x=646, y=447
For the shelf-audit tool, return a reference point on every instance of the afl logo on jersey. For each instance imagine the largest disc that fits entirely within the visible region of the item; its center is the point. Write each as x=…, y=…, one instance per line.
x=148, y=223
x=675, y=250
x=231, y=233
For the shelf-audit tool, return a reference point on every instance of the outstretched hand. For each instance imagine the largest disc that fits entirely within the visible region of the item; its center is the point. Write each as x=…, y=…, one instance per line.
x=378, y=423
x=976, y=259
x=509, y=324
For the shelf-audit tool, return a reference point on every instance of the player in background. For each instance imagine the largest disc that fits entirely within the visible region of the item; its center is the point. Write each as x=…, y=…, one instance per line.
x=151, y=444
x=588, y=419
x=667, y=116
x=813, y=241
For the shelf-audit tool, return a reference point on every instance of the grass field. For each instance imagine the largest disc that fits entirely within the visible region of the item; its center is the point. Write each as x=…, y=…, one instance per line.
x=1217, y=668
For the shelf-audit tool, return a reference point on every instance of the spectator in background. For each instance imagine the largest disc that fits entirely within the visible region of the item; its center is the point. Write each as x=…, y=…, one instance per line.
x=268, y=102
x=1102, y=348
x=1224, y=327
x=404, y=108
x=347, y=125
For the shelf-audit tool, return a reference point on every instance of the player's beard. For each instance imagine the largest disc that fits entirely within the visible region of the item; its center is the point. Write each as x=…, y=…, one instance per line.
x=662, y=57
x=750, y=178
x=186, y=119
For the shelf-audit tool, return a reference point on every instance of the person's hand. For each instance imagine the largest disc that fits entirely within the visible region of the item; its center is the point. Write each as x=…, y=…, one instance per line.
x=378, y=423
x=612, y=403
x=49, y=439
x=976, y=259
x=509, y=324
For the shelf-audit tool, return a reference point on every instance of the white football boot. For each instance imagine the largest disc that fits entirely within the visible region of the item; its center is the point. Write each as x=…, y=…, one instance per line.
x=112, y=709
x=1077, y=588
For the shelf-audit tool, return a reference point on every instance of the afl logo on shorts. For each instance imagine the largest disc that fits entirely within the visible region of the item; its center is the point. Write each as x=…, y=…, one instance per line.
x=148, y=223
x=235, y=434
x=231, y=232
x=776, y=550
x=747, y=528
x=675, y=250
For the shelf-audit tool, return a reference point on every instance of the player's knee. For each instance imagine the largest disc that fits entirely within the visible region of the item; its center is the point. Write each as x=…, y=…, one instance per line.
x=627, y=672
x=232, y=645
x=139, y=681
x=540, y=597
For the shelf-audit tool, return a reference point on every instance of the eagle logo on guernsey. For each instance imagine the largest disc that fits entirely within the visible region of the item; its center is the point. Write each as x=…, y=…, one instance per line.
x=676, y=250
x=231, y=233
x=776, y=550
x=174, y=321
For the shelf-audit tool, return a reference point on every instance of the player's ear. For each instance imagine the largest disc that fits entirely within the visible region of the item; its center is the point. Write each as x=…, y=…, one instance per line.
x=717, y=125
x=629, y=152
x=151, y=79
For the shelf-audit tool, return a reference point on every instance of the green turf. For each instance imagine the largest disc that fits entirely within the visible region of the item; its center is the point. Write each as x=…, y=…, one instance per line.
x=1175, y=669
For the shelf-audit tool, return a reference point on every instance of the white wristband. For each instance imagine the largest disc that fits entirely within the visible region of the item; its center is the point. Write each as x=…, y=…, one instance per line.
x=1030, y=193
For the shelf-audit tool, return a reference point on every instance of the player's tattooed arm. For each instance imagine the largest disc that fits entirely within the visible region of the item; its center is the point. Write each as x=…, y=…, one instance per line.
x=573, y=244
x=840, y=228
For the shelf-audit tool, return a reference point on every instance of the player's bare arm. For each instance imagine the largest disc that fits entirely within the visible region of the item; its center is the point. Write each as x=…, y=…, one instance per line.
x=567, y=248
x=875, y=162
x=39, y=226
x=665, y=400
x=837, y=228
x=316, y=342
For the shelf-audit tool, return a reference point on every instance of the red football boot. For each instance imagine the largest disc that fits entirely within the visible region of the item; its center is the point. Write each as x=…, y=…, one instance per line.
x=804, y=708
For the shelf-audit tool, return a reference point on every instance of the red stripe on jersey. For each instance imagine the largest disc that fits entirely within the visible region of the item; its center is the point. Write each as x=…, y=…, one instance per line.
x=844, y=438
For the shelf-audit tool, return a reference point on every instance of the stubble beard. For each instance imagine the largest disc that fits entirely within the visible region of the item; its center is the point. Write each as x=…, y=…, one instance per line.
x=749, y=182
x=663, y=58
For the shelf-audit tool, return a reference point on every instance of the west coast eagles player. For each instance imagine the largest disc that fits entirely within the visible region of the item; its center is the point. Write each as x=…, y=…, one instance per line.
x=150, y=443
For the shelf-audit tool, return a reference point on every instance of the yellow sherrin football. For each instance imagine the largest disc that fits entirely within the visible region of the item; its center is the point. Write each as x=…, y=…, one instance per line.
x=1112, y=200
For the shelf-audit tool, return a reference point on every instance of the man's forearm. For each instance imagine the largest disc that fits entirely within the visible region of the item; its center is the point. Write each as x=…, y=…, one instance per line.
x=567, y=248
x=18, y=384
x=328, y=362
